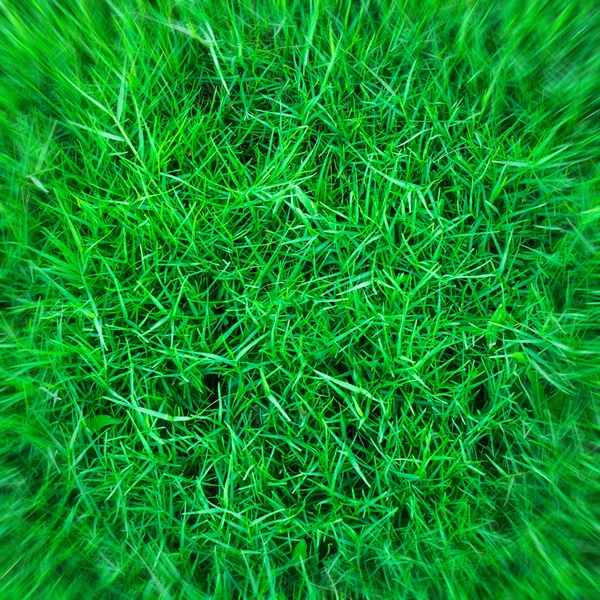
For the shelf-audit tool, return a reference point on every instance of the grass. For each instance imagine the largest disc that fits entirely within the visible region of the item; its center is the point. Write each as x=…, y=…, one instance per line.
x=299, y=299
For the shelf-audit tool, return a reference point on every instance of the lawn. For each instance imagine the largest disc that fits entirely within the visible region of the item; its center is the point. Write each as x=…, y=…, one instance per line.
x=299, y=299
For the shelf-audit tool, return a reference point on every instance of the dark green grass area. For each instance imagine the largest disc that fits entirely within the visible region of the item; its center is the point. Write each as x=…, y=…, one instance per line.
x=299, y=299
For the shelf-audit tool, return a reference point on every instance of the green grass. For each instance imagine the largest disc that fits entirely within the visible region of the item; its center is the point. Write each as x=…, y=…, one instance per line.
x=299, y=299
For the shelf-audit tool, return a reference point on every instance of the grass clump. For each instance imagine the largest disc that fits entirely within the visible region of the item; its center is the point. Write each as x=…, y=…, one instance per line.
x=300, y=299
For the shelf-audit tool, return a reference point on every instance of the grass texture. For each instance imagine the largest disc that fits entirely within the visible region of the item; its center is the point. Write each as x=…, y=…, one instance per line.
x=300, y=299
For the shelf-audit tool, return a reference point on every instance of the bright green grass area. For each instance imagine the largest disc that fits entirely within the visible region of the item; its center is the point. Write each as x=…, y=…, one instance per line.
x=299, y=299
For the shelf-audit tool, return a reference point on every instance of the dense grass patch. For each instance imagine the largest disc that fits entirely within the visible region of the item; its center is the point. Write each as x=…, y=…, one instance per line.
x=299, y=299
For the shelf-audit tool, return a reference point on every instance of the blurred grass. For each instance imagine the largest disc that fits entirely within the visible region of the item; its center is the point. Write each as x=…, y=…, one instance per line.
x=299, y=299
